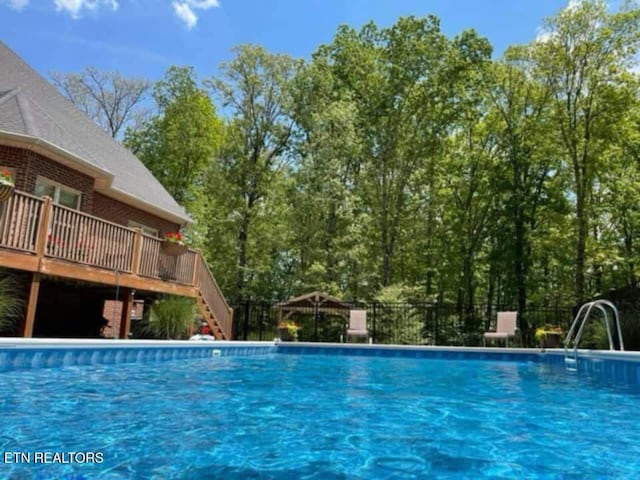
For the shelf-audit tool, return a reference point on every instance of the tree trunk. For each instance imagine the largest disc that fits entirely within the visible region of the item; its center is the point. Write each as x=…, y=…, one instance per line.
x=243, y=238
x=521, y=269
x=583, y=231
x=469, y=292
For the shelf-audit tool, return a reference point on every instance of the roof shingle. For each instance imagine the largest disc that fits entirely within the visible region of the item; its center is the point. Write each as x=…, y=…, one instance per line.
x=31, y=106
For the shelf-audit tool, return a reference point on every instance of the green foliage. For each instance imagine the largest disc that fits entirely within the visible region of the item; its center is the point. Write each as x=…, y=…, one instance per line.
x=403, y=85
x=594, y=336
x=584, y=59
x=389, y=316
x=11, y=301
x=400, y=156
x=171, y=317
x=255, y=87
x=179, y=143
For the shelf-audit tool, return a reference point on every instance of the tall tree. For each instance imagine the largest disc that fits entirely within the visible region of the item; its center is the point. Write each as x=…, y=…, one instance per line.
x=111, y=100
x=179, y=143
x=326, y=222
x=401, y=80
x=255, y=88
x=583, y=57
x=521, y=108
x=618, y=219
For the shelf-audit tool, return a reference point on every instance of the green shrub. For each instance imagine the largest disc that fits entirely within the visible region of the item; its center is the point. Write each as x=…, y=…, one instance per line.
x=171, y=317
x=11, y=302
x=594, y=336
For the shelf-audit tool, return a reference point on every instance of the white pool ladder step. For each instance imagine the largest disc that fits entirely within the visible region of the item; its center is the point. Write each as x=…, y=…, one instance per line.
x=571, y=361
x=577, y=328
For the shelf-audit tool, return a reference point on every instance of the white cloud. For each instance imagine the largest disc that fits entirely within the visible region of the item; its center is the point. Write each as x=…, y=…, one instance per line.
x=184, y=9
x=184, y=13
x=75, y=7
x=17, y=4
x=203, y=4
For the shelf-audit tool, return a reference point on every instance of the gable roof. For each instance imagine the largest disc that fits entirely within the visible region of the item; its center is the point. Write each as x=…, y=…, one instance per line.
x=32, y=111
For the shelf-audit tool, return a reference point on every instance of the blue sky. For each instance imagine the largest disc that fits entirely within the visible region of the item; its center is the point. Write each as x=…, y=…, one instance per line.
x=144, y=37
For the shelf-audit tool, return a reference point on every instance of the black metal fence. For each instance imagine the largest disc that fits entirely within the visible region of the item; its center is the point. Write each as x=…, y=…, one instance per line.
x=398, y=323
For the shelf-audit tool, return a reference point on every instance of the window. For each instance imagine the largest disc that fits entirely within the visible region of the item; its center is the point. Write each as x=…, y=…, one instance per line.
x=60, y=194
x=146, y=230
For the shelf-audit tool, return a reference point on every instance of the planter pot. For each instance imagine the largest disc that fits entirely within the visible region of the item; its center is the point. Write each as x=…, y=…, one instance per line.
x=173, y=249
x=5, y=191
x=285, y=336
x=551, y=340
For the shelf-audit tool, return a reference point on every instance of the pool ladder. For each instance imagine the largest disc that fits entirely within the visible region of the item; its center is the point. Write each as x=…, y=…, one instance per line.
x=573, y=338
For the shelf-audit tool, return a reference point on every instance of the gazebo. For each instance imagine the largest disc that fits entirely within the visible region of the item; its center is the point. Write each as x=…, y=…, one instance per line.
x=317, y=305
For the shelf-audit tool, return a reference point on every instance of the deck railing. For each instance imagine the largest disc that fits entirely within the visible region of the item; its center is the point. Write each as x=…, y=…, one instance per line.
x=20, y=221
x=39, y=227
x=212, y=294
x=149, y=255
x=82, y=238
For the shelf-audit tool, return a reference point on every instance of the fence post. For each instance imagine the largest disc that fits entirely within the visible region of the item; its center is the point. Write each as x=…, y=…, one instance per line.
x=260, y=317
x=316, y=317
x=436, y=327
x=247, y=312
x=373, y=333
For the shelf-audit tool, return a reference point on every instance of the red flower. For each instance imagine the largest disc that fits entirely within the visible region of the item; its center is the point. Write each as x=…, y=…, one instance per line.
x=5, y=177
x=173, y=237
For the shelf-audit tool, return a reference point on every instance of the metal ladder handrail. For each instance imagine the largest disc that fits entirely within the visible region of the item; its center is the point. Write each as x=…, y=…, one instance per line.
x=571, y=359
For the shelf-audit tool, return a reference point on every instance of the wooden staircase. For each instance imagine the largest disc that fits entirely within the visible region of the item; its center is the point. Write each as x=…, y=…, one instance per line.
x=213, y=307
x=209, y=317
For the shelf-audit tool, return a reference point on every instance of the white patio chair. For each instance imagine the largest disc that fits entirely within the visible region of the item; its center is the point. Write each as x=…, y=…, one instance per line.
x=506, y=328
x=357, y=324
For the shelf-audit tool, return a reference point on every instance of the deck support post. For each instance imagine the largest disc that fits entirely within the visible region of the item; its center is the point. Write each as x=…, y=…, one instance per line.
x=43, y=226
x=137, y=252
x=31, y=306
x=125, y=315
x=196, y=264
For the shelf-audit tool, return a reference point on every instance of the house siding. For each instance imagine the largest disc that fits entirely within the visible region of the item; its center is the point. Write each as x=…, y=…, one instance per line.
x=119, y=212
x=29, y=165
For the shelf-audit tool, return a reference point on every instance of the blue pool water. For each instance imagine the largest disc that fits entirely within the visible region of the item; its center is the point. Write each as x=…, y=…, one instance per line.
x=319, y=417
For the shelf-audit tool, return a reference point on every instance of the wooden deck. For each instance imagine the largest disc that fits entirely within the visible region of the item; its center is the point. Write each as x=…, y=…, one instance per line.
x=41, y=237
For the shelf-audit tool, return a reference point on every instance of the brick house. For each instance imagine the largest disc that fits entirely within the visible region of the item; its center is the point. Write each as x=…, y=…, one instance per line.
x=85, y=222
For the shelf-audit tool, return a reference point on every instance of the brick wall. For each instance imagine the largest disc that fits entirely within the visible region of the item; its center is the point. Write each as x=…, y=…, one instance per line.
x=29, y=165
x=121, y=213
x=112, y=313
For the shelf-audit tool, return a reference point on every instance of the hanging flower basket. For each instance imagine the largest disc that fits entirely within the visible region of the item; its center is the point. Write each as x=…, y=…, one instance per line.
x=5, y=191
x=6, y=185
x=173, y=249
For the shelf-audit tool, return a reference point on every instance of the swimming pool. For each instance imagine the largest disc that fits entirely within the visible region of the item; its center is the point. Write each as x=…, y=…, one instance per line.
x=320, y=414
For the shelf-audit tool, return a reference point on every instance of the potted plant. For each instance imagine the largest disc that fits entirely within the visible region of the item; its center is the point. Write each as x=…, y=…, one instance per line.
x=173, y=244
x=6, y=185
x=549, y=336
x=288, y=331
